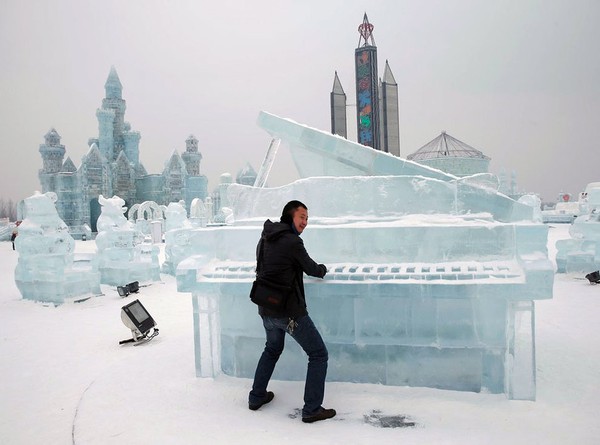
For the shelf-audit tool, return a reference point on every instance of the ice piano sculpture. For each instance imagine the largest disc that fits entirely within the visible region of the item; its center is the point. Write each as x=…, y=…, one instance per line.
x=432, y=279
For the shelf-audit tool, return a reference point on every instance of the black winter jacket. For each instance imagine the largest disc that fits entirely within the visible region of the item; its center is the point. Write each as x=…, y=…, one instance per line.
x=284, y=261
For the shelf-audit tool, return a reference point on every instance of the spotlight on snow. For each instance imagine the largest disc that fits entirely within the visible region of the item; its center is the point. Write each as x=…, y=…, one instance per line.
x=135, y=316
x=130, y=288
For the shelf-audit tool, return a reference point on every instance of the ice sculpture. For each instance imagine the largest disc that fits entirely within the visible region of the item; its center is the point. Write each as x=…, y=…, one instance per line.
x=176, y=216
x=46, y=270
x=149, y=219
x=123, y=257
x=581, y=253
x=432, y=277
x=176, y=236
x=535, y=203
x=200, y=213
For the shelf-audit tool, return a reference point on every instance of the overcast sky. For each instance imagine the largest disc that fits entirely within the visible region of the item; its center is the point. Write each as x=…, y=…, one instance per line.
x=518, y=80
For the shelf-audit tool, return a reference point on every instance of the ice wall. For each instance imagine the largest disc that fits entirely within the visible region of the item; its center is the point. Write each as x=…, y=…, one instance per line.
x=46, y=270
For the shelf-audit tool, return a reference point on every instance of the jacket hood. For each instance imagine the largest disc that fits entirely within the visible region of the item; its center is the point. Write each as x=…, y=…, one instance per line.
x=273, y=230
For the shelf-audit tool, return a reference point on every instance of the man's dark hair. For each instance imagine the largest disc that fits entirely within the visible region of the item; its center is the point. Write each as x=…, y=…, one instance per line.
x=287, y=214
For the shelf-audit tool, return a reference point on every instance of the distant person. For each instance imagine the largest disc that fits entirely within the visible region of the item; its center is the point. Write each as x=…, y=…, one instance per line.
x=14, y=234
x=284, y=260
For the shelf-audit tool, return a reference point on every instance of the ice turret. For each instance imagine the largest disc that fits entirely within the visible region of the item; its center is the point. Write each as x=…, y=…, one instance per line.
x=191, y=157
x=52, y=152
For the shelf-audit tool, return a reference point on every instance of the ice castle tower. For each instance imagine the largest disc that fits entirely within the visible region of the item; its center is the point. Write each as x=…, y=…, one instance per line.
x=432, y=278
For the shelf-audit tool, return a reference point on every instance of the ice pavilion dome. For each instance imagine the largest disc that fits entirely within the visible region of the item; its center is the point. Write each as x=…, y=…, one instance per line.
x=452, y=156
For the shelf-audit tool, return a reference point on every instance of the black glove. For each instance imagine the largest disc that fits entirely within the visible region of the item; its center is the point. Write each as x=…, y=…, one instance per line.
x=323, y=270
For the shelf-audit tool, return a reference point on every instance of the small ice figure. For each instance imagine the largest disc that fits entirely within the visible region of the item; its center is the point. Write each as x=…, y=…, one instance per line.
x=199, y=212
x=225, y=216
x=112, y=216
x=580, y=254
x=177, y=235
x=46, y=271
x=42, y=231
x=176, y=216
x=122, y=255
x=534, y=202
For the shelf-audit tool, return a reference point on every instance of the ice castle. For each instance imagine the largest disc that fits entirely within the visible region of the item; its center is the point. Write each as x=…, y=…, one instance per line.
x=432, y=277
x=112, y=166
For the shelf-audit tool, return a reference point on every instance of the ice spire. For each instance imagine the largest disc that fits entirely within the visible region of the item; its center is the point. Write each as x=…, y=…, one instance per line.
x=113, y=85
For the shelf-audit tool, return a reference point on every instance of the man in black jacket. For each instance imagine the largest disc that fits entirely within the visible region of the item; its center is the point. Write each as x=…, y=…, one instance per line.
x=284, y=261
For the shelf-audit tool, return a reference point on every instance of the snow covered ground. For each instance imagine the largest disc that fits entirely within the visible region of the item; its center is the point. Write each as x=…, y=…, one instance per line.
x=65, y=379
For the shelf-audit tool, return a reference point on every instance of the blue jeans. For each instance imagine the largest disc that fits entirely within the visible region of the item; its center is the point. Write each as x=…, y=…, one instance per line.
x=307, y=336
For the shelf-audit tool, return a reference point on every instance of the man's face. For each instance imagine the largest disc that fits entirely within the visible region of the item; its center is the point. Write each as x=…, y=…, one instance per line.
x=300, y=219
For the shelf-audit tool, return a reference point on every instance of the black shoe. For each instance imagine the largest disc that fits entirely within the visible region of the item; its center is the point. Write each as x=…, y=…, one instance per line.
x=267, y=399
x=323, y=415
x=594, y=277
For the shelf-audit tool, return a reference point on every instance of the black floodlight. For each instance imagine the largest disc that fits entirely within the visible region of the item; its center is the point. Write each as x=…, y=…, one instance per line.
x=135, y=316
x=130, y=288
x=594, y=277
x=134, y=287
